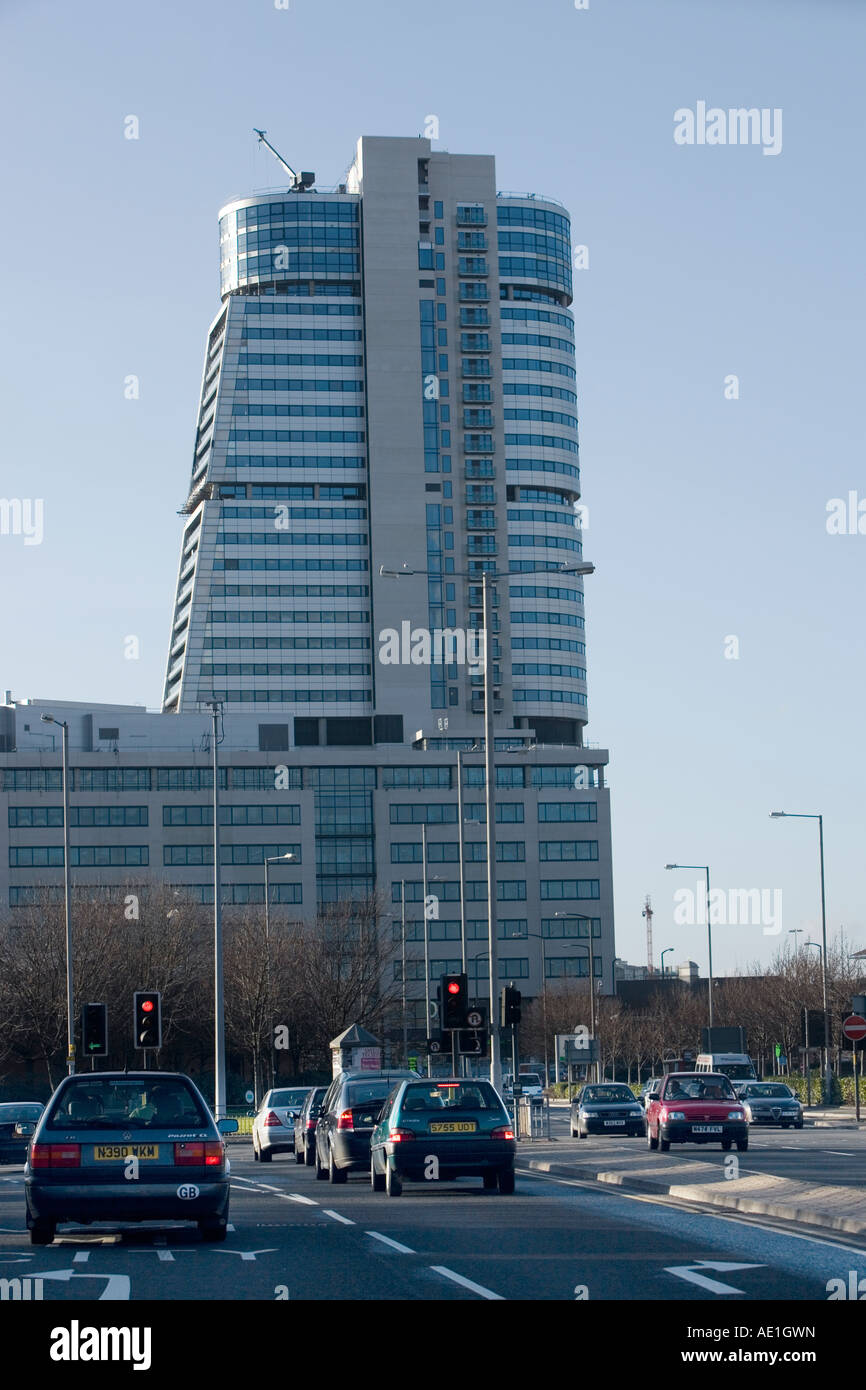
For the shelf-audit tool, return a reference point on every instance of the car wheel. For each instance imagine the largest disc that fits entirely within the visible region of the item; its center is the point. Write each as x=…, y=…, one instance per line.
x=393, y=1185
x=785, y=1126
x=42, y=1232
x=799, y=1124
x=309, y=1158
x=377, y=1180
x=265, y=1156
x=335, y=1174
x=727, y=1144
x=211, y=1229
x=650, y=1142
x=299, y=1155
x=664, y=1144
x=321, y=1173
x=490, y=1182
x=742, y=1144
x=506, y=1182
x=255, y=1153
x=573, y=1132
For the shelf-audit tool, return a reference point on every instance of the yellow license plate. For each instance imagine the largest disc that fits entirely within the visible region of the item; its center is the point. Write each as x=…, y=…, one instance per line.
x=453, y=1127
x=126, y=1151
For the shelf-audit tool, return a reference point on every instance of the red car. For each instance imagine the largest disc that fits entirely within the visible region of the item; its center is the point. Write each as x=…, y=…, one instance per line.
x=696, y=1108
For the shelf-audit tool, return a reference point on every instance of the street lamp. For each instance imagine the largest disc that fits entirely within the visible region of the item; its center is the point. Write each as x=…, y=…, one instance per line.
x=460, y=755
x=666, y=952
x=828, y=1073
x=582, y=917
x=288, y=858
x=67, y=881
x=709, y=931
x=577, y=567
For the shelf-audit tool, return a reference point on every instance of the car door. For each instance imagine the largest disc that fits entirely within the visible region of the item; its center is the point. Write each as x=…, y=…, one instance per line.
x=325, y=1123
x=380, y=1132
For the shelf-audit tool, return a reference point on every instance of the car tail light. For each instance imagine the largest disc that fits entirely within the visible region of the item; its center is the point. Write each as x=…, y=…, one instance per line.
x=503, y=1132
x=200, y=1155
x=311, y=1124
x=272, y=1118
x=399, y=1136
x=345, y=1121
x=55, y=1156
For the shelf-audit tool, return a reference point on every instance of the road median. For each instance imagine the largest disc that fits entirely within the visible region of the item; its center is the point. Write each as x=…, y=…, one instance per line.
x=819, y=1205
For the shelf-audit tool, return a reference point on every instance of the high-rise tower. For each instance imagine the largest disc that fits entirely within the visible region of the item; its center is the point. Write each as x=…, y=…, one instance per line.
x=390, y=381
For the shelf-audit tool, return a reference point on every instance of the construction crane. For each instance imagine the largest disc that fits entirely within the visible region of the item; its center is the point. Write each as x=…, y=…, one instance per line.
x=648, y=914
x=300, y=182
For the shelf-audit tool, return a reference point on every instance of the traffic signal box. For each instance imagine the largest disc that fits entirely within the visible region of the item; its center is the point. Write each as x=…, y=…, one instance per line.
x=147, y=1009
x=509, y=1006
x=453, y=1002
x=94, y=1030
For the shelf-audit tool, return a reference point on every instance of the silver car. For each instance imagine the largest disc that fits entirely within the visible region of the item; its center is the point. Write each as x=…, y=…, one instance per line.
x=771, y=1103
x=274, y=1124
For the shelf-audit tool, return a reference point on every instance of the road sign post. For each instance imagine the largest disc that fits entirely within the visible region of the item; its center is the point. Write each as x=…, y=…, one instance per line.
x=854, y=1029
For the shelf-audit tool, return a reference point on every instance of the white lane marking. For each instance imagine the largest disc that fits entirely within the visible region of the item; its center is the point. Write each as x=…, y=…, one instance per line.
x=164, y=1255
x=840, y=1153
x=286, y=1196
x=394, y=1244
x=81, y=1258
x=466, y=1283
x=296, y=1197
x=247, y=1254
x=690, y=1273
x=117, y=1285
x=337, y=1217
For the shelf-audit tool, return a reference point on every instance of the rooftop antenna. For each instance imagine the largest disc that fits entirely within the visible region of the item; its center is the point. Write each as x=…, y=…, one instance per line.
x=648, y=914
x=300, y=182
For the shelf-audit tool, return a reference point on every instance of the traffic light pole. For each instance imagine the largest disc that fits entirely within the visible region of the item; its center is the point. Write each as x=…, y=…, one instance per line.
x=515, y=1073
x=490, y=802
x=219, y=1000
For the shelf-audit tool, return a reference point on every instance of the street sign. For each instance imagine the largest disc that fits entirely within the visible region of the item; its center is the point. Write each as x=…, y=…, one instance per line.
x=858, y=1004
x=434, y=1045
x=470, y=1044
x=249, y=1097
x=854, y=1027
x=474, y=1018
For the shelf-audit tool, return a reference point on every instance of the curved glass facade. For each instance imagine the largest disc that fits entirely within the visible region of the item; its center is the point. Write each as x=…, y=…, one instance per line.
x=304, y=236
x=535, y=277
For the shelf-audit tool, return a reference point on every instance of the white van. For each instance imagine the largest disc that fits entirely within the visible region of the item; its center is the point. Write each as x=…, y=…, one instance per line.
x=735, y=1065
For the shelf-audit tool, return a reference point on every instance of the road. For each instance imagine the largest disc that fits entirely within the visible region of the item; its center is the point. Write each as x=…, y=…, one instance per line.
x=295, y=1238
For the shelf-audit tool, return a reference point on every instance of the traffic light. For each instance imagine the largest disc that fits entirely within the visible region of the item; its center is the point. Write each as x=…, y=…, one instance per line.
x=147, y=1012
x=454, y=995
x=94, y=1030
x=471, y=1044
x=509, y=1006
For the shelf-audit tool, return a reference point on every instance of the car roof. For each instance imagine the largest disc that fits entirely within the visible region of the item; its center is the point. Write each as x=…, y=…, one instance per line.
x=696, y=1076
x=381, y=1076
x=91, y=1076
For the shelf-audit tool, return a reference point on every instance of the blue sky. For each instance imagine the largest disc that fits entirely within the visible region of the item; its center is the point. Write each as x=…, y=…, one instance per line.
x=707, y=516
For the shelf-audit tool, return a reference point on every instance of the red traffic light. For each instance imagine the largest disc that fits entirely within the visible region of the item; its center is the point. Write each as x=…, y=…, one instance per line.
x=147, y=1006
x=454, y=987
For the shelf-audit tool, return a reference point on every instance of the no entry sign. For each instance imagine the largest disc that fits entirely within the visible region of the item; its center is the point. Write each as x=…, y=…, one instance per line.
x=854, y=1027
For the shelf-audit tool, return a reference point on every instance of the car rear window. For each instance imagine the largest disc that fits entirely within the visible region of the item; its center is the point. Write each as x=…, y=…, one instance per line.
x=361, y=1092
x=296, y=1097
x=11, y=1114
x=769, y=1091
x=91, y=1103
x=425, y=1097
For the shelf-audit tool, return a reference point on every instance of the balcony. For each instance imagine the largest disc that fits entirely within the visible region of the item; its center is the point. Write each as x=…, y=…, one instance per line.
x=471, y=215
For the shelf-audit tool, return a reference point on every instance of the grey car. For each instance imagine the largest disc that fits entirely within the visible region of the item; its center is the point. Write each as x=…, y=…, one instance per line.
x=127, y=1146
x=605, y=1108
x=771, y=1103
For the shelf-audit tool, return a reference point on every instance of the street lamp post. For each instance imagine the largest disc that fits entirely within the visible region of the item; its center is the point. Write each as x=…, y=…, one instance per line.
x=582, y=917
x=219, y=1079
x=67, y=894
x=666, y=952
x=426, y=947
x=288, y=858
x=706, y=870
x=828, y=1071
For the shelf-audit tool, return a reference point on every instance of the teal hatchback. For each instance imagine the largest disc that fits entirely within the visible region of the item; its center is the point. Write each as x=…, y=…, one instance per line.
x=435, y=1130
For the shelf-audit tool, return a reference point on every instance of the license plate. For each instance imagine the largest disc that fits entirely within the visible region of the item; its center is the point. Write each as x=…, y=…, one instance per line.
x=614, y=1122
x=453, y=1127
x=706, y=1129
x=126, y=1151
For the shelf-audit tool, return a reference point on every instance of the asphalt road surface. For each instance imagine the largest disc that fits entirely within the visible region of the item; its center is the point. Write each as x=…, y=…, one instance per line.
x=295, y=1238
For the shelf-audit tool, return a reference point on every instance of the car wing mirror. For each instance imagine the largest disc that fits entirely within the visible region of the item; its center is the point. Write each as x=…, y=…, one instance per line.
x=227, y=1126
x=25, y=1128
